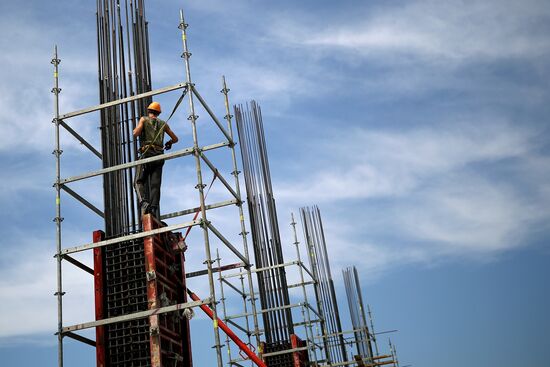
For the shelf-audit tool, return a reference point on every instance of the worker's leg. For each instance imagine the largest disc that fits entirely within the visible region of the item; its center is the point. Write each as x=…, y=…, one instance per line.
x=156, y=180
x=140, y=185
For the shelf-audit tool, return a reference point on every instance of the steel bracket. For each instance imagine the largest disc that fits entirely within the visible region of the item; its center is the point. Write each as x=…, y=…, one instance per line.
x=151, y=275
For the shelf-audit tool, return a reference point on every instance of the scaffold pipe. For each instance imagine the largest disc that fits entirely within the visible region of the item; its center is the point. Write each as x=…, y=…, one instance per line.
x=242, y=346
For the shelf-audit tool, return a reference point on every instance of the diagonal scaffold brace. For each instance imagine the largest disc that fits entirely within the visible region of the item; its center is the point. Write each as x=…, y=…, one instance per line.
x=242, y=346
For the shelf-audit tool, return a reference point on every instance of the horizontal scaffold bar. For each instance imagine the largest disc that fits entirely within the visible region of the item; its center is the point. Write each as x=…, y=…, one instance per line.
x=276, y=266
x=278, y=353
x=348, y=363
x=284, y=307
x=304, y=323
x=299, y=349
x=129, y=237
x=135, y=315
x=166, y=156
x=196, y=209
x=122, y=100
x=343, y=333
x=214, y=270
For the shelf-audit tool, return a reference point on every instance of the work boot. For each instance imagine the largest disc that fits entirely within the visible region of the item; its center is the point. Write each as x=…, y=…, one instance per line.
x=151, y=209
x=145, y=208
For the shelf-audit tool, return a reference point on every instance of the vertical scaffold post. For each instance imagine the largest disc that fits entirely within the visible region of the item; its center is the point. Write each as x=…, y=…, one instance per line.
x=372, y=336
x=57, y=153
x=222, y=300
x=235, y=173
x=200, y=186
x=394, y=354
x=309, y=331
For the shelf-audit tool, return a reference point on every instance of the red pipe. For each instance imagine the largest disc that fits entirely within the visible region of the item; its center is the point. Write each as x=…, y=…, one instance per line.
x=242, y=346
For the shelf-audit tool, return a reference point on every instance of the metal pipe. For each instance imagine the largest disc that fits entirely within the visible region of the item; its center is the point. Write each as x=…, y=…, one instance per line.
x=106, y=105
x=137, y=315
x=129, y=237
x=196, y=209
x=80, y=139
x=57, y=152
x=166, y=156
x=305, y=313
x=82, y=200
x=200, y=186
x=212, y=115
x=222, y=299
x=220, y=177
x=218, y=269
x=229, y=332
x=227, y=243
x=372, y=330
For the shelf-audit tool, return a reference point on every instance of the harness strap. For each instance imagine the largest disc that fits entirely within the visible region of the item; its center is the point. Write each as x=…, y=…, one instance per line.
x=169, y=117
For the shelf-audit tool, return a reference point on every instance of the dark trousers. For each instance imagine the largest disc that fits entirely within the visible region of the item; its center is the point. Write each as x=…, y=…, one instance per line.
x=147, y=185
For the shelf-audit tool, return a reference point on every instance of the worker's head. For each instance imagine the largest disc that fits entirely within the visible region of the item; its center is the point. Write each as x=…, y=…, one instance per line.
x=154, y=108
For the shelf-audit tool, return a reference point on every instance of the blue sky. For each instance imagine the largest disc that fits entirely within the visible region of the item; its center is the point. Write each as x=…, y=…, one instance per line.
x=420, y=128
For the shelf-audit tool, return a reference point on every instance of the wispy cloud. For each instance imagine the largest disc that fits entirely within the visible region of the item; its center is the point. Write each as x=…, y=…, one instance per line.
x=393, y=163
x=438, y=31
x=29, y=284
x=439, y=189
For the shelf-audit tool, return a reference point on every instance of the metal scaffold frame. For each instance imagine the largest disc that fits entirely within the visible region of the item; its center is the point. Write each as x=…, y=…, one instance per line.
x=304, y=306
x=325, y=343
x=190, y=91
x=318, y=339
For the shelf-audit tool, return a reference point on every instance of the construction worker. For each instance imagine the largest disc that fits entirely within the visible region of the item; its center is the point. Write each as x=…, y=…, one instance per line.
x=151, y=131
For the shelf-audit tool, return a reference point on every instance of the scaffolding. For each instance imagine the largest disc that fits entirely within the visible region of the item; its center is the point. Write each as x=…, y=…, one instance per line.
x=209, y=229
x=321, y=344
x=283, y=313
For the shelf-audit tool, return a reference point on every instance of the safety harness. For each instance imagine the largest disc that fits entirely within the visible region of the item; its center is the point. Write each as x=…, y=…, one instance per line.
x=143, y=150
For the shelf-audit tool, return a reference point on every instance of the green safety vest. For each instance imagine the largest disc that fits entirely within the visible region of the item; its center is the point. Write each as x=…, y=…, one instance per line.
x=153, y=133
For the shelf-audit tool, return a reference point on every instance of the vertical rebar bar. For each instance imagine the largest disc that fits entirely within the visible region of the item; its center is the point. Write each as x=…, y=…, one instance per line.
x=243, y=233
x=363, y=337
x=200, y=186
x=272, y=284
x=307, y=228
x=324, y=285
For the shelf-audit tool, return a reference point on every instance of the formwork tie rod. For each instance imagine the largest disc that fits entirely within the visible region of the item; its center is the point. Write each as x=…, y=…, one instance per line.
x=242, y=346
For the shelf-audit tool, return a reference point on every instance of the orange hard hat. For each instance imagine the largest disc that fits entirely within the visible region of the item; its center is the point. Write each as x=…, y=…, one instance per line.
x=155, y=106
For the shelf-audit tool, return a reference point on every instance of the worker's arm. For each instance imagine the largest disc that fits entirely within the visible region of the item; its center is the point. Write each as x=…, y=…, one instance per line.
x=173, y=137
x=139, y=127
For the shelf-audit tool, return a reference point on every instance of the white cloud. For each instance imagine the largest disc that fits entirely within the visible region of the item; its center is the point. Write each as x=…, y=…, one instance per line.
x=392, y=163
x=29, y=284
x=434, y=30
x=435, y=203
x=438, y=205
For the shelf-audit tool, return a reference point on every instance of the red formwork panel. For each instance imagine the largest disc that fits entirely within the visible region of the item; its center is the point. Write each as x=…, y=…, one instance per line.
x=286, y=359
x=170, y=342
x=163, y=272
x=99, y=301
x=300, y=358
